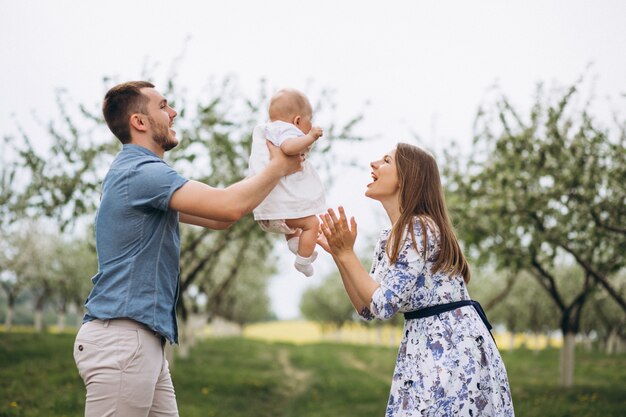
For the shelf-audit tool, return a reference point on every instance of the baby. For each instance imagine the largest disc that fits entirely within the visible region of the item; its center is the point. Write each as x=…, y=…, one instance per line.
x=292, y=206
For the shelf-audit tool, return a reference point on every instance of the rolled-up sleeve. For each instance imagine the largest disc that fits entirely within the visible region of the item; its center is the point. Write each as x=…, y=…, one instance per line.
x=399, y=280
x=153, y=184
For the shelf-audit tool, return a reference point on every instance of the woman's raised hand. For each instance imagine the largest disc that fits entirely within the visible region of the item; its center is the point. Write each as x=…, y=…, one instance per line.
x=337, y=237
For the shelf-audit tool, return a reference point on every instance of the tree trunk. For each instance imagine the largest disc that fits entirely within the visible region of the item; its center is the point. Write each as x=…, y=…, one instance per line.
x=379, y=335
x=392, y=337
x=61, y=321
x=8, y=320
x=511, y=340
x=548, y=337
x=38, y=321
x=611, y=341
x=62, y=315
x=536, y=343
x=567, y=359
x=338, y=335
x=39, y=304
x=80, y=313
x=185, y=338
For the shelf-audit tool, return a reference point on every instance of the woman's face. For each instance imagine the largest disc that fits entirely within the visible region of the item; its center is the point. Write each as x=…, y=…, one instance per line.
x=385, y=184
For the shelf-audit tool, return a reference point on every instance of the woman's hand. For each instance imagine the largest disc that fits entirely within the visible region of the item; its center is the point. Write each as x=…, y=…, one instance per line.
x=337, y=237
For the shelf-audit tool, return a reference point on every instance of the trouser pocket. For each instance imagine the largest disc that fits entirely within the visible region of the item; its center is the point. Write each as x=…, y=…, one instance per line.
x=88, y=350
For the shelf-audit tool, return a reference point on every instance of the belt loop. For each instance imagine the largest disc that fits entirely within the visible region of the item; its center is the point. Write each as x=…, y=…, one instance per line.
x=106, y=323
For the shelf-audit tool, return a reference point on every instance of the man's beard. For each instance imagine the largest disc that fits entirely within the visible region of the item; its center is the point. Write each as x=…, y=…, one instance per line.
x=162, y=136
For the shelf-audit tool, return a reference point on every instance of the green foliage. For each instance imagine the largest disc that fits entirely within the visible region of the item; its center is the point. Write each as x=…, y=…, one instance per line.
x=44, y=267
x=524, y=307
x=62, y=184
x=327, y=302
x=214, y=148
x=546, y=196
x=604, y=318
x=539, y=194
x=74, y=261
x=239, y=377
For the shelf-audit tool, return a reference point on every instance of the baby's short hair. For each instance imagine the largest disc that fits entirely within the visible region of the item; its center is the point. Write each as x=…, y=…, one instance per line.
x=288, y=103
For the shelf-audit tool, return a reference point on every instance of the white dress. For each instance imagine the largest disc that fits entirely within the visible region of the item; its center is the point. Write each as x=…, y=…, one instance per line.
x=297, y=195
x=448, y=364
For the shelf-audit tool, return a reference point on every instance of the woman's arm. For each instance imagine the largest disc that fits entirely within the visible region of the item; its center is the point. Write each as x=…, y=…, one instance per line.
x=397, y=282
x=339, y=242
x=358, y=283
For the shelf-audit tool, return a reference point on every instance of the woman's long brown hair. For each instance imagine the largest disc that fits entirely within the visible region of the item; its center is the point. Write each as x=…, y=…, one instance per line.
x=421, y=195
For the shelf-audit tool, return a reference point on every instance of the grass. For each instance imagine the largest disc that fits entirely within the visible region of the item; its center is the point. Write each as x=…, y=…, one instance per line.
x=239, y=377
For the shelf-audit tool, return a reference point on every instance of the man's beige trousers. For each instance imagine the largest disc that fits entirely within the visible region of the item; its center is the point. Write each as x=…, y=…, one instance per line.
x=124, y=368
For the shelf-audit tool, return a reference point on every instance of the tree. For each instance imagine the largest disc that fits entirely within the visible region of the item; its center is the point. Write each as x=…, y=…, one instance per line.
x=222, y=138
x=328, y=303
x=28, y=265
x=62, y=183
x=605, y=320
x=12, y=255
x=515, y=300
x=544, y=192
x=215, y=131
x=75, y=261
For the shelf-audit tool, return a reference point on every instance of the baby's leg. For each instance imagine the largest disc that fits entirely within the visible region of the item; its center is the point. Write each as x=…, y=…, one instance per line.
x=308, y=236
x=293, y=240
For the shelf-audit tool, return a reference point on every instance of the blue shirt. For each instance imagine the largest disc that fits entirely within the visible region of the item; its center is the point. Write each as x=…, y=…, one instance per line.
x=138, y=243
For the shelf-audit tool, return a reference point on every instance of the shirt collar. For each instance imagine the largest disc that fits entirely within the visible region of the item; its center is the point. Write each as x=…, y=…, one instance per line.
x=130, y=147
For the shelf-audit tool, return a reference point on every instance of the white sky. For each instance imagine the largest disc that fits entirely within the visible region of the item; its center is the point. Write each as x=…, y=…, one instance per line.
x=424, y=67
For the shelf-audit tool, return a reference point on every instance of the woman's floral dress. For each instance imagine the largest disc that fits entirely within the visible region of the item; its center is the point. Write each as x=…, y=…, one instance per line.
x=448, y=364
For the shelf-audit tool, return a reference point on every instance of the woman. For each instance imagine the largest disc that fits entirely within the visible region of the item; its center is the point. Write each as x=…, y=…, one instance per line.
x=448, y=363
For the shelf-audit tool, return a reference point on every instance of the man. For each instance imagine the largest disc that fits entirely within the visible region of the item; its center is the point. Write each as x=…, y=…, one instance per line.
x=119, y=349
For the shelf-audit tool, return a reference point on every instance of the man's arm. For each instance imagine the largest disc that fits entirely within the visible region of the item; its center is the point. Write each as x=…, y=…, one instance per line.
x=299, y=145
x=231, y=203
x=207, y=223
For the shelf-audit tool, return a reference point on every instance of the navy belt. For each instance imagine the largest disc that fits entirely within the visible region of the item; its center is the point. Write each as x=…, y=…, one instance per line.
x=442, y=308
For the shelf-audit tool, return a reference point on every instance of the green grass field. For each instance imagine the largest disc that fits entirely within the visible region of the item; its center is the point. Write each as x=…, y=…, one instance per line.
x=240, y=377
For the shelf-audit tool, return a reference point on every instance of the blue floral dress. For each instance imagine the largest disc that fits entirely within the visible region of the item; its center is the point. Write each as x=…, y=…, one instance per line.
x=448, y=364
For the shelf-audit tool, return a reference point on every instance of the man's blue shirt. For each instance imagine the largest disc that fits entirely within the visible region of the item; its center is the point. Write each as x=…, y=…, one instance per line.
x=138, y=243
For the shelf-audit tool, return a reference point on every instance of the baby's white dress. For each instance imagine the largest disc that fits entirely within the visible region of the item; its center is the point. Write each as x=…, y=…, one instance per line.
x=297, y=195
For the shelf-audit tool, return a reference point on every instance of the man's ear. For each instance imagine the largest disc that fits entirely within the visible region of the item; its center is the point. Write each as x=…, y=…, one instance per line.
x=138, y=121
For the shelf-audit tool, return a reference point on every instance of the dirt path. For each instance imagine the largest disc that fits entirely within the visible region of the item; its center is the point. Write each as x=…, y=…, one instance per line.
x=298, y=380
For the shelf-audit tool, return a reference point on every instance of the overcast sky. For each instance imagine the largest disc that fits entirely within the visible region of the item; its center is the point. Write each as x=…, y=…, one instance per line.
x=423, y=67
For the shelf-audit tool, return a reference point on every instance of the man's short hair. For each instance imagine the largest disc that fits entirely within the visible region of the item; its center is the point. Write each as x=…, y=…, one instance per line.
x=120, y=102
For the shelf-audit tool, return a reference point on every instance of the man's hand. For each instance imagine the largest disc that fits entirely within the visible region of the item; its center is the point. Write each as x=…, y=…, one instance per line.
x=286, y=164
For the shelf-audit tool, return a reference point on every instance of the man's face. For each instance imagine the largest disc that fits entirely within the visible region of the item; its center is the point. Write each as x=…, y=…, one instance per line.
x=161, y=117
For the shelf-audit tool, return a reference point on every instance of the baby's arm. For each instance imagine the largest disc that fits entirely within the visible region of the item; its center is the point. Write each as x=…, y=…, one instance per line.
x=296, y=146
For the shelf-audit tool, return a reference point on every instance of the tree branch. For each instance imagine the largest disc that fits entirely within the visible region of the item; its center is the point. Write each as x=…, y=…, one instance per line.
x=606, y=226
x=498, y=298
x=548, y=281
x=599, y=277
